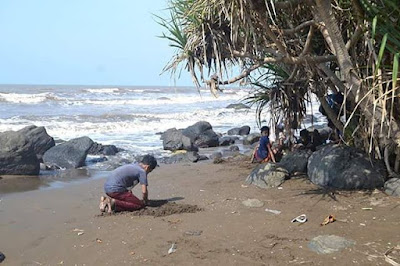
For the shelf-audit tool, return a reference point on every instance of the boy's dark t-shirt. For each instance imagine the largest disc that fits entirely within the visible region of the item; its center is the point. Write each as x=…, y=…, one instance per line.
x=262, y=151
x=124, y=178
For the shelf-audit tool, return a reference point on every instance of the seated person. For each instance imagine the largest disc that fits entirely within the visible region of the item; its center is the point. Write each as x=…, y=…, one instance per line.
x=263, y=152
x=317, y=139
x=310, y=140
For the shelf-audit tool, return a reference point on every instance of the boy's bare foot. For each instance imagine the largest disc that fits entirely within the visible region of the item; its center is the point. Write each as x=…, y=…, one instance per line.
x=103, y=204
x=110, y=204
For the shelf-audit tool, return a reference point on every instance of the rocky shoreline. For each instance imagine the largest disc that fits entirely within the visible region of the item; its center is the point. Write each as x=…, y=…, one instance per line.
x=31, y=151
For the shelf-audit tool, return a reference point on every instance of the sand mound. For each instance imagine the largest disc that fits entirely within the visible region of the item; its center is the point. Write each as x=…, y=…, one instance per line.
x=167, y=209
x=158, y=208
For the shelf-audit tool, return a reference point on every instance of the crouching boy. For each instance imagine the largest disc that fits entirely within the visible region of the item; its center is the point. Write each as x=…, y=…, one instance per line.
x=118, y=186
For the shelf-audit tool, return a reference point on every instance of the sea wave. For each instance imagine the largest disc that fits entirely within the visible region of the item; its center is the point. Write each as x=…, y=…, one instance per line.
x=103, y=90
x=28, y=98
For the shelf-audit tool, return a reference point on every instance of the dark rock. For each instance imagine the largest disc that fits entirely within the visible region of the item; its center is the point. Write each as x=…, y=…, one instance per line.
x=267, y=176
x=70, y=154
x=94, y=160
x=295, y=161
x=202, y=135
x=17, y=155
x=242, y=131
x=190, y=156
x=173, y=140
x=2, y=257
x=343, y=167
x=237, y=106
x=392, y=187
x=202, y=157
x=251, y=138
x=234, y=148
x=40, y=139
x=227, y=140
x=98, y=148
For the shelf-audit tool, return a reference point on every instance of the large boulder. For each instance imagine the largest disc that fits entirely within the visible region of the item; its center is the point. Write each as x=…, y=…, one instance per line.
x=40, y=139
x=342, y=167
x=296, y=161
x=251, y=138
x=17, y=155
x=242, y=131
x=227, y=140
x=202, y=135
x=98, y=148
x=70, y=154
x=188, y=157
x=267, y=176
x=173, y=140
x=392, y=187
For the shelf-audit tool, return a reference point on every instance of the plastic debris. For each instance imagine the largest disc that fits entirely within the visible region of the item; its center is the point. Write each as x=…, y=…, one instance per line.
x=194, y=233
x=172, y=249
x=300, y=219
x=389, y=256
x=328, y=220
x=273, y=211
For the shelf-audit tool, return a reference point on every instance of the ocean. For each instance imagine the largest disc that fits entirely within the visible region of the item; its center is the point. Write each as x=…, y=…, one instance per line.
x=130, y=117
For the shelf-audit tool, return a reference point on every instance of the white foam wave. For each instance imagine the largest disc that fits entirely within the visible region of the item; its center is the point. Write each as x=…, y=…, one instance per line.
x=141, y=128
x=170, y=100
x=27, y=98
x=103, y=90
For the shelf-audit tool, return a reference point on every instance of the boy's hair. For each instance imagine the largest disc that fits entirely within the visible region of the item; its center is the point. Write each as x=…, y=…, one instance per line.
x=150, y=161
x=264, y=129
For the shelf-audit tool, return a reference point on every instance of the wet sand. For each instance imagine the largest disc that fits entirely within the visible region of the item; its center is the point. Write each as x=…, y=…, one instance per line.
x=62, y=226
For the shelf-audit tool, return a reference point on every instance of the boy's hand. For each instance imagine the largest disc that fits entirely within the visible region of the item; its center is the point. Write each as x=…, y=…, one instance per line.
x=145, y=194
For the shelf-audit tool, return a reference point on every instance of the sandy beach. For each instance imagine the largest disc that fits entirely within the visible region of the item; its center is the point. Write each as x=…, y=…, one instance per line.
x=62, y=226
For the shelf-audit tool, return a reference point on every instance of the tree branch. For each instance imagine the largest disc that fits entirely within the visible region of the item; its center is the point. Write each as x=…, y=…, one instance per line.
x=355, y=37
x=299, y=27
x=332, y=77
x=287, y=60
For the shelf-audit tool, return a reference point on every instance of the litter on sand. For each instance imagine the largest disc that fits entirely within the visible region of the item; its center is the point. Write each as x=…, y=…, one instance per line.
x=300, y=219
x=328, y=220
x=390, y=258
x=172, y=249
x=273, y=211
x=366, y=209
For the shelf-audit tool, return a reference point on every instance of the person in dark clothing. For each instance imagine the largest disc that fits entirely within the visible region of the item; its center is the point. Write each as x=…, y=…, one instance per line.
x=335, y=101
x=263, y=152
x=118, y=186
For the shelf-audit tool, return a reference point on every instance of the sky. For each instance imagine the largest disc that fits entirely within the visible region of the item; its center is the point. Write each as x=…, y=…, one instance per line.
x=93, y=42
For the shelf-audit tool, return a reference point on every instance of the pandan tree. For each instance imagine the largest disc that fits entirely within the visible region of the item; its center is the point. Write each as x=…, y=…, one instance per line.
x=289, y=50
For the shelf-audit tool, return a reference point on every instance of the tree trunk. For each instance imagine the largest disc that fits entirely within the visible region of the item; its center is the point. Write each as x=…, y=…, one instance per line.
x=353, y=81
